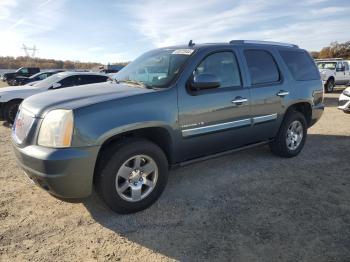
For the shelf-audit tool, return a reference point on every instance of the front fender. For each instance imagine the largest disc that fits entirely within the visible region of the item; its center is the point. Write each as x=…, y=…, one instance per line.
x=95, y=124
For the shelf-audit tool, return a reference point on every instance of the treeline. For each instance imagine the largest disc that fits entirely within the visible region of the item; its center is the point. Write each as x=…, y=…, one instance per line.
x=9, y=62
x=334, y=50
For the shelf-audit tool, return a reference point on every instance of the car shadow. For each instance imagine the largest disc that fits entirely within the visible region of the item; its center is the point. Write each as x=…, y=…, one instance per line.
x=248, y=206
x=5, y=124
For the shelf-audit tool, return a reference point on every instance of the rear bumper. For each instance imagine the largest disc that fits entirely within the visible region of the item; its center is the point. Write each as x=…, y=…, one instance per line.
x=317, y=111
x=65, y=173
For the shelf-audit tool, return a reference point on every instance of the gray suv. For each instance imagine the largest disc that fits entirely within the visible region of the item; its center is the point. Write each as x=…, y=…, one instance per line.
x=170, y=107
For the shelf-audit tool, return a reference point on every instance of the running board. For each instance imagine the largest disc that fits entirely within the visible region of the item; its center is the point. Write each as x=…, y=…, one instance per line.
x=200, y=159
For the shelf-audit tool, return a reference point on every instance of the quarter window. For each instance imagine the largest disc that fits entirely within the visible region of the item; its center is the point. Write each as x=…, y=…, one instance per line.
x=224, y=66
x=301, y=65
x=262, y=67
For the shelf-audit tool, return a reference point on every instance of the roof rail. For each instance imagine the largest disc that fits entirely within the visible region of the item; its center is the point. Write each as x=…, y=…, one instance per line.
x=328, y=59
x=262, y=43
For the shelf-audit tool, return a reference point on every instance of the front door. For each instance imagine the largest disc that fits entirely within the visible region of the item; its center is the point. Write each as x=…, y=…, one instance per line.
x=214, y=120
x=341, y=74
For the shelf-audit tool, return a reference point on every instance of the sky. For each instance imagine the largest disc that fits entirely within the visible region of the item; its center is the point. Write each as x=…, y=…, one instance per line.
x=108, y=31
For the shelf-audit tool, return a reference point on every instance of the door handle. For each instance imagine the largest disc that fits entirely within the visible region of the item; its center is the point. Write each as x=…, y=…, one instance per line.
x=239, y=100
x=282, y=93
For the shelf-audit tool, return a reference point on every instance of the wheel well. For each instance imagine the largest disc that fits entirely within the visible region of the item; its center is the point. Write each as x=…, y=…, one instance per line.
x=330, y=78
x=158, y=135
x=304, y=108
x=8, y=102
x=13, y=100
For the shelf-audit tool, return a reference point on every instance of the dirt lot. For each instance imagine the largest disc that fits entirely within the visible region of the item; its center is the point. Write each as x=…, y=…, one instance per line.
x=3, y=84
x=249, y=206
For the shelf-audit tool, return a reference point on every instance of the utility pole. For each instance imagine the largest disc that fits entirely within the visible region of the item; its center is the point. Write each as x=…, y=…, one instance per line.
x=29, y=52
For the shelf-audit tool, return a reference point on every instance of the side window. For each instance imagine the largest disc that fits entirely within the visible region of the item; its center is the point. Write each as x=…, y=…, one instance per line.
x=24, y=70
x=42, y=76
x=90, y=79
x=70, y=81
x=262, y=67
x=346, y=65
x=224, y=66
x=339, y=65
x=300, y=65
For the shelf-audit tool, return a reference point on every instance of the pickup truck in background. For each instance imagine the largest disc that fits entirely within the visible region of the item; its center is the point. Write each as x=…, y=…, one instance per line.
x=334, y=71
x=22, y=80
x=23, y=71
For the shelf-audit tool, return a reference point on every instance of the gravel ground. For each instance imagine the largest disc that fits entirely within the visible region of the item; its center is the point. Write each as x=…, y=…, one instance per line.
x=248, y=206
x=3, y=84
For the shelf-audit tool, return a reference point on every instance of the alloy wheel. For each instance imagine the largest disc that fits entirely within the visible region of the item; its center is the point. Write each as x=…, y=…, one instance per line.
x=295, y=133
x=136, y=178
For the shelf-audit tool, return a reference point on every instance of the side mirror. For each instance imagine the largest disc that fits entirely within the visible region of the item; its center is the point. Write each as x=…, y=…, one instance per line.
x=56, y=85
x=205, y=81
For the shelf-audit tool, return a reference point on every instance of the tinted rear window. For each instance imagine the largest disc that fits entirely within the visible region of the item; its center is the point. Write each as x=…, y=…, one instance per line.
x=262, y=67
x=300, y=64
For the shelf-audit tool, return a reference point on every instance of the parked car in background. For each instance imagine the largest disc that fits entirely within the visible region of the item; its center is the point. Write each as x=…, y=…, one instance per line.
x=170, y=107
x=12, y=97
x=344, y=101
x=22, y=80
x=334, y=71
x=23, y=71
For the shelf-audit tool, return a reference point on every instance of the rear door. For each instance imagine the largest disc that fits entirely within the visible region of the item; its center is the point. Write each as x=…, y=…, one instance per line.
x=268, y=90
x=217, y=119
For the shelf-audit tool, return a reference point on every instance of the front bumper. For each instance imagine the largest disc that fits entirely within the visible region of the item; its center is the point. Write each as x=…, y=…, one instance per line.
x=65, y=173
x=317, y=111
x=344, y=103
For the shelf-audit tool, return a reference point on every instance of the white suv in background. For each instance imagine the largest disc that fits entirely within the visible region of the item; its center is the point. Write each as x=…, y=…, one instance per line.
x=334, y=71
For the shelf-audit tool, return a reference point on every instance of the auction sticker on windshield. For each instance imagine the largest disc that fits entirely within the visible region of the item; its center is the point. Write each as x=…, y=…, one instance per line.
x=183, y=52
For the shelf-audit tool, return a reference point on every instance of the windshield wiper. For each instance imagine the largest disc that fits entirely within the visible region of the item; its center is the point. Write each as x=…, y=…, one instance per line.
x=133, y=82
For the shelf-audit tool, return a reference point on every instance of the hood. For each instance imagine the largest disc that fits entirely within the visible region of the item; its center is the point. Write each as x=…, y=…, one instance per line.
x=9, y=74
x=79, y=96
x=17, y=92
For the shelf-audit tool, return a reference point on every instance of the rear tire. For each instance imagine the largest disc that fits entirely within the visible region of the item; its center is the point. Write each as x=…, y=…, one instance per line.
x=10, y=110
x=119, y=189
x=291, y=137
x=329, y=86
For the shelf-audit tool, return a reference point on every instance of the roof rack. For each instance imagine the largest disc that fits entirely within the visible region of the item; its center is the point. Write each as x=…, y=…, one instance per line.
x=329, y=59
x=262, y=43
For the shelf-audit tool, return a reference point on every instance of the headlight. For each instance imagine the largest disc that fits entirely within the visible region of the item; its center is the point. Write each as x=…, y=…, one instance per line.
x=56, y=129
x=346, y=92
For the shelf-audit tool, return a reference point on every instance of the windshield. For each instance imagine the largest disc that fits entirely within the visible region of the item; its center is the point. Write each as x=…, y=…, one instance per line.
x=327, y=65
x=156, y=68
x=37, y=74
x=48, y=82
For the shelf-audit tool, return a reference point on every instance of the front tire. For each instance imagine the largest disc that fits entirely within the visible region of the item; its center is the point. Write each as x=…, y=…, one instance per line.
x=133, y=177
x=291, y=137
x=329, y=86
x=10, y=111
